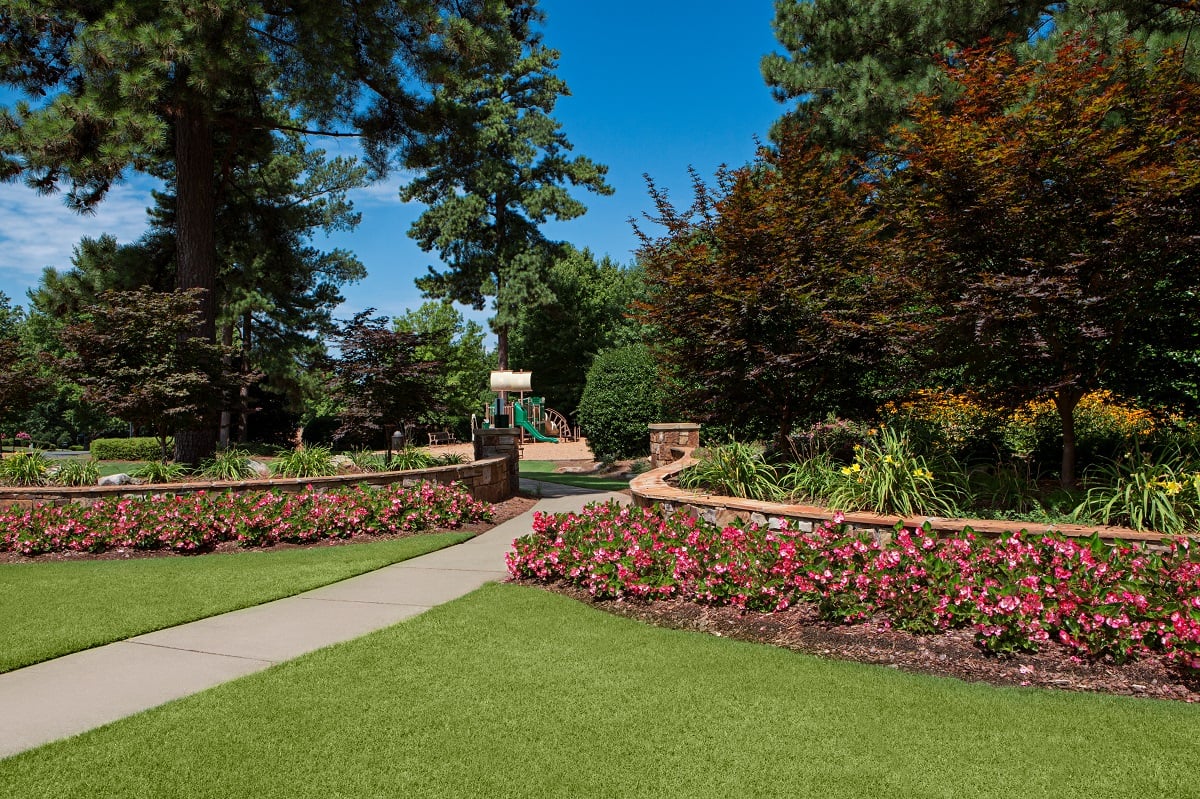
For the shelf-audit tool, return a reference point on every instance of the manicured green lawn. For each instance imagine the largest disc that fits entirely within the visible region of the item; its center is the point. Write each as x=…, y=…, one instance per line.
x=513, y=692
x=51, y=609
x=544, y=471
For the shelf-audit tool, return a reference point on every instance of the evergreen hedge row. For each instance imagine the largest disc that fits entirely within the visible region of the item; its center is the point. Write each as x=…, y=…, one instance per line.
x=128, y=449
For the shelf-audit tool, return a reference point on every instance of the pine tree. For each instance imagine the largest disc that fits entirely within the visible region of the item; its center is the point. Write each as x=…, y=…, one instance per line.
x=853, y=66
x=121, y=85
x=495, y=169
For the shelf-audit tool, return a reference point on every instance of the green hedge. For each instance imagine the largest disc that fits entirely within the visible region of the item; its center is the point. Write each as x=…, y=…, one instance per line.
x=128, y=449
x=620, y=401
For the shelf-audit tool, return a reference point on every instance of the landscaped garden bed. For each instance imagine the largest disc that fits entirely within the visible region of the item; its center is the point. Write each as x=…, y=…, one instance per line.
x=200, y=522
x=1023, y=609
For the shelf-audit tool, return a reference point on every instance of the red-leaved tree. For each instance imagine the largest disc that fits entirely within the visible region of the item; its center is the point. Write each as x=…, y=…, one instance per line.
x=1048, y=221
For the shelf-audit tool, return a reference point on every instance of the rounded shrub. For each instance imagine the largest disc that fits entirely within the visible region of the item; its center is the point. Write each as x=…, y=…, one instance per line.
x=620, y=400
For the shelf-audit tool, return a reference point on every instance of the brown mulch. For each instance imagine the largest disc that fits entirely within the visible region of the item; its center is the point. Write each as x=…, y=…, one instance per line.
x=501, y=512
x=950, y=654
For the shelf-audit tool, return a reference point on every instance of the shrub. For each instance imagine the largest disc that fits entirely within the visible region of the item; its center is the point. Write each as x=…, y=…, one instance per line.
x=734, y=470
x=955, y=424
x=834, y=436
x=621, y=399
x=160, y=471
x=305, y=462
x=450, y=459
x=76, y=472
x=25, y=468
x=127, y=449
x=1105, y=429
x=229, y=464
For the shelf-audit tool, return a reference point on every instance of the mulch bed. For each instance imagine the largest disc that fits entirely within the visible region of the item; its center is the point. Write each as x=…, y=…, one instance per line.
x=950, y=654
x=501, y=512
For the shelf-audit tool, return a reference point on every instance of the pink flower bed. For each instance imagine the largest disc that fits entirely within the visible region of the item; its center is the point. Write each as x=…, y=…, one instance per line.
x=1016, y=592
x=198, y=522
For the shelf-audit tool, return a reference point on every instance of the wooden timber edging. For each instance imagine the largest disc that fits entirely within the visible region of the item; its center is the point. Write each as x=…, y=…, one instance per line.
x=487, y=479
x=651, y=488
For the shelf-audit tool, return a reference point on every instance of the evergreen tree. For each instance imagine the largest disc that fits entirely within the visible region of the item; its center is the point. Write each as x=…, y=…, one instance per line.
x=853, y=66
x=134, y=85
x=276, y=291
x=494, y=170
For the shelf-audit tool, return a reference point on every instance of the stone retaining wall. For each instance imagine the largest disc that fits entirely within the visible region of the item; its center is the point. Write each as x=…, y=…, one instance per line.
x=489, y=479
x=652, y=488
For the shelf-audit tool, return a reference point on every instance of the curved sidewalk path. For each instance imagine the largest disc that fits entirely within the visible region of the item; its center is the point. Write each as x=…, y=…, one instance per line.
x=84, y=690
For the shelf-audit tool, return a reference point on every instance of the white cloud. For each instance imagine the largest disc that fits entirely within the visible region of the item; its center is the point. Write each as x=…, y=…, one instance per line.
x=37, y=231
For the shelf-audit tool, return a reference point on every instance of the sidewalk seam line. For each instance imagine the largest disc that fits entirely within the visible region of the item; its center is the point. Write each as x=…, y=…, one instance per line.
x=267, y=661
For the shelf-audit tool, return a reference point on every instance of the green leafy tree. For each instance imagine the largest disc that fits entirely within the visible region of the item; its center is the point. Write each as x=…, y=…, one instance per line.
x=621, y=400
x=462, y=365
x=592, y=311
x=135, y=355
x=1047, y=222
x=853, y=66
x=496, y=168
x=119, y=86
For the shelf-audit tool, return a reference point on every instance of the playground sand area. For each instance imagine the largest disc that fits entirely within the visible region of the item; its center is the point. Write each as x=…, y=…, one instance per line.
x=568, y=456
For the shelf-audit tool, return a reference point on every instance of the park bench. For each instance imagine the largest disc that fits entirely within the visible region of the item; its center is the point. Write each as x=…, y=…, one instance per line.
x=442, y=437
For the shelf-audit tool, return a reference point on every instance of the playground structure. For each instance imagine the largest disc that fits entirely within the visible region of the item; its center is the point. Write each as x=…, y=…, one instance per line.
x=527, y=413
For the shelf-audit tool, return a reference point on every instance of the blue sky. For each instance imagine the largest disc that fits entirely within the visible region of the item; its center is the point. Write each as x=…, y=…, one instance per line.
x=656, y=86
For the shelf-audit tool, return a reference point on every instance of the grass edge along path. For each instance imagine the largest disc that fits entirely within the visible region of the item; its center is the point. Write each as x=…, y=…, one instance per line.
x=54, y=608
x=513, y=691
x=544, y=471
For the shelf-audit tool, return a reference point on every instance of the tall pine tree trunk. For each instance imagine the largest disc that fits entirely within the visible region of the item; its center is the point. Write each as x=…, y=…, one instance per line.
x=224, y=438
x=244, y=389
x=196, y=247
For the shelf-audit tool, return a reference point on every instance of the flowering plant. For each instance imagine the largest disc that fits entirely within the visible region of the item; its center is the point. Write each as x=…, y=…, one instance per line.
x=1016, y=593
x=197, y=522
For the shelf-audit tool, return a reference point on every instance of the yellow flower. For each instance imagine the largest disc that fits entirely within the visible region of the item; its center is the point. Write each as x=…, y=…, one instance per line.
x=923, y=474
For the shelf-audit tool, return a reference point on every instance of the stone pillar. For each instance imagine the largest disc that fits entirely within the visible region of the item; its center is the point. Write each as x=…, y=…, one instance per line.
x=502, y=442
x=665, y=437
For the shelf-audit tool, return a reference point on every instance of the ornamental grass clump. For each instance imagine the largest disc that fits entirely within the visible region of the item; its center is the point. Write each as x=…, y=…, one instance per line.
x=228, y=464
x=198, y=522
x=1164, y=497
x=1016, y=593
x=160, y=472
x=25, y=469
x=76, y=472
x=888, y=477
x=734, y=470
x=305, y=462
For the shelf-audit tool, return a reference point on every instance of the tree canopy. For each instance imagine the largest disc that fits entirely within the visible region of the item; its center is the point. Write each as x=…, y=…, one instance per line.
x=853, y=66
x=1049, y=219
x=114, y=86
x=591, y=312
x=494, y=169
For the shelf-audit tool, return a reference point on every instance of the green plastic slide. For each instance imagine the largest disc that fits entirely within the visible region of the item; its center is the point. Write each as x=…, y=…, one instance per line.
x=522, y=421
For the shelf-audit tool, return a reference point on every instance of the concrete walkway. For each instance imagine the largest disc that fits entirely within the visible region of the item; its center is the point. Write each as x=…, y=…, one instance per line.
x=79, y=692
